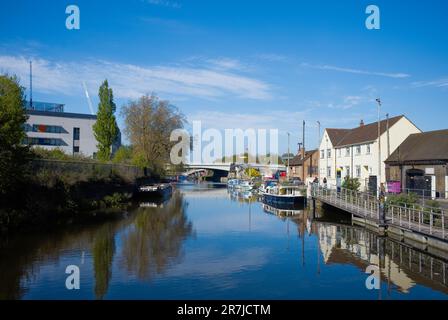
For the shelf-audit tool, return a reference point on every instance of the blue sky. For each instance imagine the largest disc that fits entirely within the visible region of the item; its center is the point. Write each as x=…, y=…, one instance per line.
x=239, y=64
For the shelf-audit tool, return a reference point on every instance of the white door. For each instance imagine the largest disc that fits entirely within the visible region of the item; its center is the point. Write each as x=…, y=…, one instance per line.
x=446, y=187
x=433, y=187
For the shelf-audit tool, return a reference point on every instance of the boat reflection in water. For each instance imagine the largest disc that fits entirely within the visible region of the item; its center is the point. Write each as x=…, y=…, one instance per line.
x=282, y=211
x=242, y=196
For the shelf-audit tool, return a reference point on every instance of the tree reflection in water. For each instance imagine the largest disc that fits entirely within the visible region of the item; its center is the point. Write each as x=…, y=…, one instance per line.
x=103, y=254
x=154, y=241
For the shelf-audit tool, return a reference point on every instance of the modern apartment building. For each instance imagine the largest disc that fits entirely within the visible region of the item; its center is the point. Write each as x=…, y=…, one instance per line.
x=355, y=153
x=48, y=126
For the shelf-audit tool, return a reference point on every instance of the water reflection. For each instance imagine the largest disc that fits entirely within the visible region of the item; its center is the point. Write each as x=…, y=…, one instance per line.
x=401, y=266
x=154, y=240
x=242, y=196
x=103, y=252
x=238, y=249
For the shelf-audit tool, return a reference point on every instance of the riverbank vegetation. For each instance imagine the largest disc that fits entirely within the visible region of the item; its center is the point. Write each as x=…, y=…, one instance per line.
x=33, y=195
x=42, y=187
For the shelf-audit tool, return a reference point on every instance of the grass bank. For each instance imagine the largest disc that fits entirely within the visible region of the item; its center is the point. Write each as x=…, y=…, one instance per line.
x=57, y=193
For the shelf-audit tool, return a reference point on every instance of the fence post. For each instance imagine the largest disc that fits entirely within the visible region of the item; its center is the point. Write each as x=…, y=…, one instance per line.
x=409, y=214
x=430, y=223
x=419, y=220
x=443, y=224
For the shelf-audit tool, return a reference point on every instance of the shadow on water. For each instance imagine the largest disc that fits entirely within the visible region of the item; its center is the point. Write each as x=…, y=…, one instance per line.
x=151, y=234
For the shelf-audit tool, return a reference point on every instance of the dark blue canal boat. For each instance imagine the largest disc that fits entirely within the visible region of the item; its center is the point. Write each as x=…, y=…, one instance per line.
x=284, y=196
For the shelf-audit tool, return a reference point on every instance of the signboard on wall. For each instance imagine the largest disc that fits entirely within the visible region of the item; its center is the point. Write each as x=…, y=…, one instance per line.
x=394, y=187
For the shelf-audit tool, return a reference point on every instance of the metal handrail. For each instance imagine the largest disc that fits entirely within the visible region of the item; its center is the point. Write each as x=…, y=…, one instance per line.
x=427, y=220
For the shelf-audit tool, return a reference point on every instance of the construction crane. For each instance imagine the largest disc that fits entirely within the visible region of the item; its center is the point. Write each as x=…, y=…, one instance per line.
x=88, y=97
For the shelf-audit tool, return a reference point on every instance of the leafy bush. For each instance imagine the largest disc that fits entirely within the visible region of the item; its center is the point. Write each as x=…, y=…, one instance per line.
x=351, y=184
x=56, y=154
x=123, y=155
x=115, y=200
x=403, y=199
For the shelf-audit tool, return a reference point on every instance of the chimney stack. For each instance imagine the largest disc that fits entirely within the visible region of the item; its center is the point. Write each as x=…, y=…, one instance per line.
x=361, y=124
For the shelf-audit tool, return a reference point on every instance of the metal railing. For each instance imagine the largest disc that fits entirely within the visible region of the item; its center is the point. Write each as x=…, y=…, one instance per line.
x=424, y=219
x=357, y=202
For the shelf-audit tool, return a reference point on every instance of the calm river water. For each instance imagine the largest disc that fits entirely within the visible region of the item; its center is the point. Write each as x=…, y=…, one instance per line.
x=205, y=243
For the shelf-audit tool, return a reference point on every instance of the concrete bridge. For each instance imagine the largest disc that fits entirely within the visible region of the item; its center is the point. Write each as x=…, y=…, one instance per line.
x=417, y=223
x=226, y=166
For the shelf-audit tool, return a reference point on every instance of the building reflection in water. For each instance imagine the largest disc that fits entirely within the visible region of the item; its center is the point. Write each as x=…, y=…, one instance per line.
x=401, y=265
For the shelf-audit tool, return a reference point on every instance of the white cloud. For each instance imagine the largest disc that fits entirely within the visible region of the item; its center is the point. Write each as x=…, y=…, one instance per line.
x=165, y=3
x=132, y=81
x=227, y=64
x=439, y=83
x=356, y=71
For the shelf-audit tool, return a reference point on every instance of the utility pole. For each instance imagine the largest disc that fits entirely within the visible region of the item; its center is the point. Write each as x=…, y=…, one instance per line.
x=379, y=147
x=303, y=152
x=388, y=137
x=31, y=85
x=287, y=170
x=318, y=149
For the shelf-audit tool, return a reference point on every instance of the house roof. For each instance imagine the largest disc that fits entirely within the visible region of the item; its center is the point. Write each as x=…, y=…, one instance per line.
x=298, y=161
x=361, y=134
x=425, y=146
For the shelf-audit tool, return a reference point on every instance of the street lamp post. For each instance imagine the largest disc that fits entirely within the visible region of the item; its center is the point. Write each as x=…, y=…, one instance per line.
x=379, y=146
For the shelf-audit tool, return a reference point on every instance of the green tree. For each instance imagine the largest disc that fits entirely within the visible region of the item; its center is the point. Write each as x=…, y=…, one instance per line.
x=13, y=155
x=105, y=128
x=351, y=183
x=148, y=125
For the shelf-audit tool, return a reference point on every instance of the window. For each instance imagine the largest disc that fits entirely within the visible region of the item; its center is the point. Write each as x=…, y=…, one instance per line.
x=358, y=171
x=75, y=149
x=322, y=154
x=347, y=171
x=329, y=153
x=329, y=171
x=368, y=149
x=339, y=153
x=347, y=152
x=44, y=142
x=358, y=150
x=44, y=128
x=76, y=133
